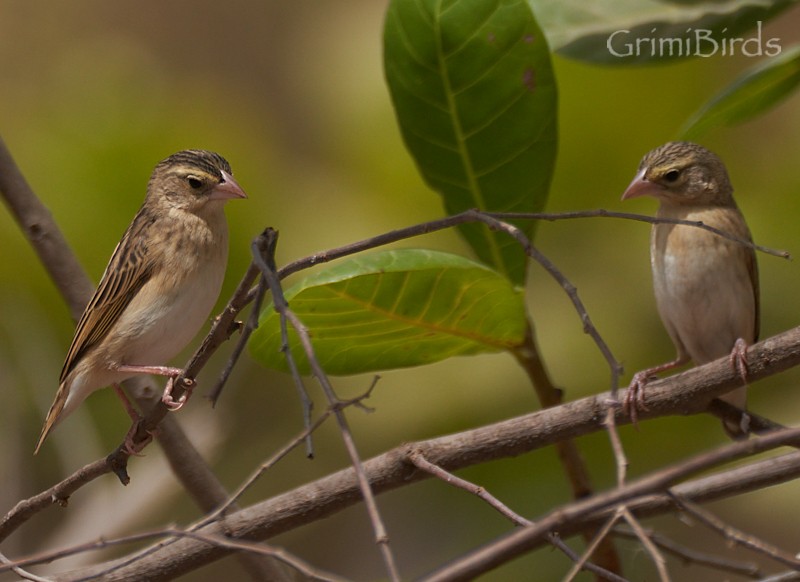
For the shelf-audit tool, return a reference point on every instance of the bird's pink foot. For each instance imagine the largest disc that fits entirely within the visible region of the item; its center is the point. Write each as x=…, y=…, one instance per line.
x=634, y=397
x=173, y=374
x=133, y=448
x=738, y=358
x=167, y=398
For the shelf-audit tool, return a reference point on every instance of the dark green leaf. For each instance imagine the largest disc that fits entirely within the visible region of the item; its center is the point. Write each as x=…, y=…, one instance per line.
x=396, y=309
x=475, y=97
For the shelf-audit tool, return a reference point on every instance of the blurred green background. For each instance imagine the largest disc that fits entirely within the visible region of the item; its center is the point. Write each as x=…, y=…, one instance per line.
x=94, y=94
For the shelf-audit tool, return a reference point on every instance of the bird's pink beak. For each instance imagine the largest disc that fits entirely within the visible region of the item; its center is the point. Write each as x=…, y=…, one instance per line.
x=640, y=186
x=227, y=189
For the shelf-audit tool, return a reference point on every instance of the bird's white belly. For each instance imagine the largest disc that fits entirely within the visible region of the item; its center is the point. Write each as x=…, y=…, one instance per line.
x=706, y=301
x=170, y=321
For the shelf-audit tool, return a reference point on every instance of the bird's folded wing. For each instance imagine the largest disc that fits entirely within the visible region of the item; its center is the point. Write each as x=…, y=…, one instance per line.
x=127, y=272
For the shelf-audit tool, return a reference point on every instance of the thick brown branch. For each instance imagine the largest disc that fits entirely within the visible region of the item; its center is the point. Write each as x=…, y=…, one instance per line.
x=680, y=394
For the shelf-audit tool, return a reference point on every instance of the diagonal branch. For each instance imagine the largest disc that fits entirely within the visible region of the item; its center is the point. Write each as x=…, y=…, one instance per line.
x=684, y=393
x=36, y=222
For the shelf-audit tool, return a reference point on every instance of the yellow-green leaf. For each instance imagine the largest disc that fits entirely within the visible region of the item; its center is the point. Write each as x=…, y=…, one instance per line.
x=395, y=309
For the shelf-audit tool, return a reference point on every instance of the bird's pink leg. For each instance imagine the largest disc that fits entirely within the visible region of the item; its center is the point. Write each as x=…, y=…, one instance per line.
x=634, y=397
x=130, y=447
x=171, y=373
x=157, y=370
x=127, y=404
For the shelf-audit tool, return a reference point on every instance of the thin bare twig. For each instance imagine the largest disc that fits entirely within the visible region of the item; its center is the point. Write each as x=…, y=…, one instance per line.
x=242, y=290
x=600, y=535
x=170, y=534
x=277, y=456
x=279, y=301
x=622, y=512
x=588, y=327
x=264, y=258
x=602, y=213
x=511, y=545
x=100, y=544
x=620, y=459
x=690, y=556
x=308, y=571
x=527, y=355
x=18, y=570
x=735, y=535
x=58, y=494
x=418, y=459
x=477, y=216
x=652, y=549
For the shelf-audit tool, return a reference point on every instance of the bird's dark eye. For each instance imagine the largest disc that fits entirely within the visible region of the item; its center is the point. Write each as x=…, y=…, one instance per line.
x=195, y=183
x=672, y=175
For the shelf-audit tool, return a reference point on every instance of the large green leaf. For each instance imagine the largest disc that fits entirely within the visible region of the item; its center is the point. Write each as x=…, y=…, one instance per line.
x=586, y=30
x=396, y=309
x=754, y=92
x=475, y=97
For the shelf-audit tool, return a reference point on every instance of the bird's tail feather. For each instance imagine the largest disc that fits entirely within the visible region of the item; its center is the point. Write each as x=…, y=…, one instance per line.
x=53, y=415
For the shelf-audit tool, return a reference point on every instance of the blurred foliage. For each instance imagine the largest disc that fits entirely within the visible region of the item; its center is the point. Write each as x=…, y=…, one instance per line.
x=754, y=92
x=294, y=96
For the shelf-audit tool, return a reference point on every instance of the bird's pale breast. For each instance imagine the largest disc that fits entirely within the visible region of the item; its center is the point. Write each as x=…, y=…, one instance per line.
x=703, y=288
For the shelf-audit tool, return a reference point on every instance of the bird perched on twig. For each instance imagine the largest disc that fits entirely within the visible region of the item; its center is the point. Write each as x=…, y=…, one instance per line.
x=159, y=286
x=706, y=286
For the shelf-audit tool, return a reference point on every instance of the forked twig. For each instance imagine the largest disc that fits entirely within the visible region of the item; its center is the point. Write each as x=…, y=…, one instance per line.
x=269, y=272
x=417, y=457
x=688, y=555
x=735, y=535
x=515, y=543
x=600, y=536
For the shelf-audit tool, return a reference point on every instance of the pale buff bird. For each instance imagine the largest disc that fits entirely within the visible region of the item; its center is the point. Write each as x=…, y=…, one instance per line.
x=159, y=286
x=706, y=286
